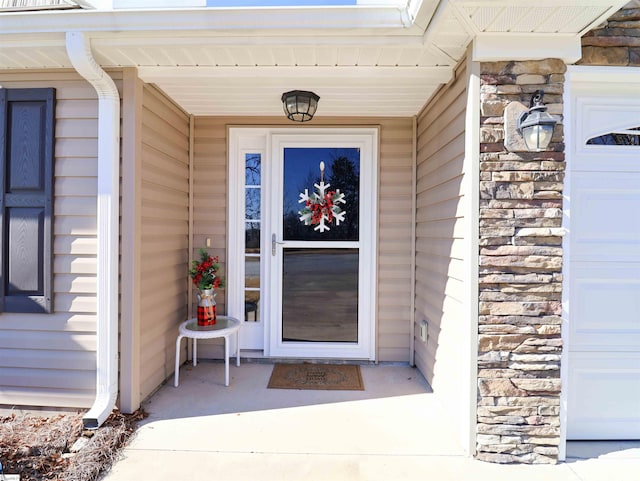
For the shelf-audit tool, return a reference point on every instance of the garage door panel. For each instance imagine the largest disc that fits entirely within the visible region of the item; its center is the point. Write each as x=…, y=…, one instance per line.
x=605, y=217
x=602, y=261
x=592, y=411
x=600, y=158
x=606, y=307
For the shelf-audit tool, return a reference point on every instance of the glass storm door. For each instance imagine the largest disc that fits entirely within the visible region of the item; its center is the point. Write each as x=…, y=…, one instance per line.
x=301, y=269
x=319, y=305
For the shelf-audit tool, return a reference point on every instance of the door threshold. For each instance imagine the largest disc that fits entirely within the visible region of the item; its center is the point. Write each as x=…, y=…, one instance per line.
x=258, y=357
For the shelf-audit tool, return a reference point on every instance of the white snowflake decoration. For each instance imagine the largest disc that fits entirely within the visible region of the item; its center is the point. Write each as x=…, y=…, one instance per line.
x=321, y=207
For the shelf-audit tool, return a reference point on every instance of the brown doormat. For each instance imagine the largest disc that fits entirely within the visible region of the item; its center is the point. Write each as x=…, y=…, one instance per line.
x=345, y=377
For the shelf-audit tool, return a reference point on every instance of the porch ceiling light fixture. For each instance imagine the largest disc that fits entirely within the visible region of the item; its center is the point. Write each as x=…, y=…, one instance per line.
x=300, y=105
x=536, y=125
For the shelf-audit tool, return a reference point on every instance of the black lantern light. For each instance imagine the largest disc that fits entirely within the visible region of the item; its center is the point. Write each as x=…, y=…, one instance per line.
x=536, y=125
x=299, y=105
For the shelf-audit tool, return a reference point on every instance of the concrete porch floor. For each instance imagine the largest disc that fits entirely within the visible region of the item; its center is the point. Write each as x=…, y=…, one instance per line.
x=394, y=430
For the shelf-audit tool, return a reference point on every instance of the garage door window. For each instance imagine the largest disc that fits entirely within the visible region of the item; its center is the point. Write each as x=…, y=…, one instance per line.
x=621, y=137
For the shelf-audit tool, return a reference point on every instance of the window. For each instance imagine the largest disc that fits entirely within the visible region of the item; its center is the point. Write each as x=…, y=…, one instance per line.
x=623, y=137
x=26, y=177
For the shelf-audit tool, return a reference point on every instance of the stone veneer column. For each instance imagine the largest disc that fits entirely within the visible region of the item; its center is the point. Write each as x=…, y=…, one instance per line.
x=520, y=273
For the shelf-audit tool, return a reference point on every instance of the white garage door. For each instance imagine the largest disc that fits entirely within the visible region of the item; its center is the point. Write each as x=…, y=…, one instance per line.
x=603, y=310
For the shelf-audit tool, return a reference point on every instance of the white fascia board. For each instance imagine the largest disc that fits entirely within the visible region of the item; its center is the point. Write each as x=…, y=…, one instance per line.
x=256, y=20
x=493, y=47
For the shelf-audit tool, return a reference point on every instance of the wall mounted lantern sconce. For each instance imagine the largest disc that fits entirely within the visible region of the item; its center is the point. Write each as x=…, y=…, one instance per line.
x=299, y=105
x=536, y=125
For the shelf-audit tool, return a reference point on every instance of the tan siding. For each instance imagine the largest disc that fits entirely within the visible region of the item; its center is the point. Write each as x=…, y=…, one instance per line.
x=164, y=235
x=210, y=201
x=394, y=216
x=440, y=245
x=49, y=359
x=394, y=239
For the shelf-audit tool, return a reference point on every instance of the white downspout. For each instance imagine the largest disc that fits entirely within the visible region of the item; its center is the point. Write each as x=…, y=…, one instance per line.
x=79, y=51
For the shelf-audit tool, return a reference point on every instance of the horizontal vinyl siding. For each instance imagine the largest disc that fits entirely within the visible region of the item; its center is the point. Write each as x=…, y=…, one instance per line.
x=441, y=249
x=164, y=235
x=49, y=359
x=394, y=239
x=210, y=204
x=394, y=216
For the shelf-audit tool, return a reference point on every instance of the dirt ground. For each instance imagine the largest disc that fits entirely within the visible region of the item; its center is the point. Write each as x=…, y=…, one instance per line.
x=58, y=448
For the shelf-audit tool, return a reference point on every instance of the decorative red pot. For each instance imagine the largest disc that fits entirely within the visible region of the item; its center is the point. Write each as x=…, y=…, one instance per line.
x=206, y=307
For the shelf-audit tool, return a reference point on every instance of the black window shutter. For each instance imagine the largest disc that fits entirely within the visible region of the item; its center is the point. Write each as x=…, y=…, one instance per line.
x=27, y=119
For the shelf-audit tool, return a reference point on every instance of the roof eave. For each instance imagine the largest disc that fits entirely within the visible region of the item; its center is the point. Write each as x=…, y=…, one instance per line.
x=241, y=21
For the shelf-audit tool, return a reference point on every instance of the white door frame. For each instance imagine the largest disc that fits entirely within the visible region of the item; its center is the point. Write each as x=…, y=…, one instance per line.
x=242, y=141
x=581, y=81
x=269, y=142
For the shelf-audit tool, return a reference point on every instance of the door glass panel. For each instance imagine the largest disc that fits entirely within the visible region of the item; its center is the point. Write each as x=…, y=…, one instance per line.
x=252, y=288
x=303, y=178
x=252, y=203
x=252, y=167
x=252, y=237
x=320, y=295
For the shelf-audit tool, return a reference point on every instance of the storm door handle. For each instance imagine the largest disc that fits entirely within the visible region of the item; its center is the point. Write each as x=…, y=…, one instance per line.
x=274, y=243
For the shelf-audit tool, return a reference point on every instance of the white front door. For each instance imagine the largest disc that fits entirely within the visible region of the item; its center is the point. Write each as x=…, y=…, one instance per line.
x=305, y=249
x=603, y=310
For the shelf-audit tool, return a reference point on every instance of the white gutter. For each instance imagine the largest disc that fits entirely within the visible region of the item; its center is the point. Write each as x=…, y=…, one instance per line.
x=291, y=21
x=79, y=51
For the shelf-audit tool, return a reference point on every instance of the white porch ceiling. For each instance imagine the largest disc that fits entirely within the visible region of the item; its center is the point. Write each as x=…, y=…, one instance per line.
x=220, y=67
x=343, y=91
x=352, y=77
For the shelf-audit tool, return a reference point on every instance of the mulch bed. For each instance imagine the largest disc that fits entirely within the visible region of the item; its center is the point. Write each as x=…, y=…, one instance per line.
x=58, y=448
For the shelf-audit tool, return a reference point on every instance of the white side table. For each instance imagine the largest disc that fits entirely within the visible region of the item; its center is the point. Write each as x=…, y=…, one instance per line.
x=225, y=326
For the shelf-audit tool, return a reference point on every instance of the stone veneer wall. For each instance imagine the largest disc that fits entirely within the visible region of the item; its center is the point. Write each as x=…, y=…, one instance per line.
x=617, y=41
x=520, y=284
x=521, y=253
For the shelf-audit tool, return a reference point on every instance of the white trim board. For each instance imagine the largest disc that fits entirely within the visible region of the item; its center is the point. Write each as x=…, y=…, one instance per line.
x=491, y=47
x=472, y=194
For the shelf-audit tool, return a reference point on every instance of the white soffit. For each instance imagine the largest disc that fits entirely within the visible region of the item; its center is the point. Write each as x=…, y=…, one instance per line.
x=352, y=91
x=539, y=17
x=203, y=52
x=33, y=52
